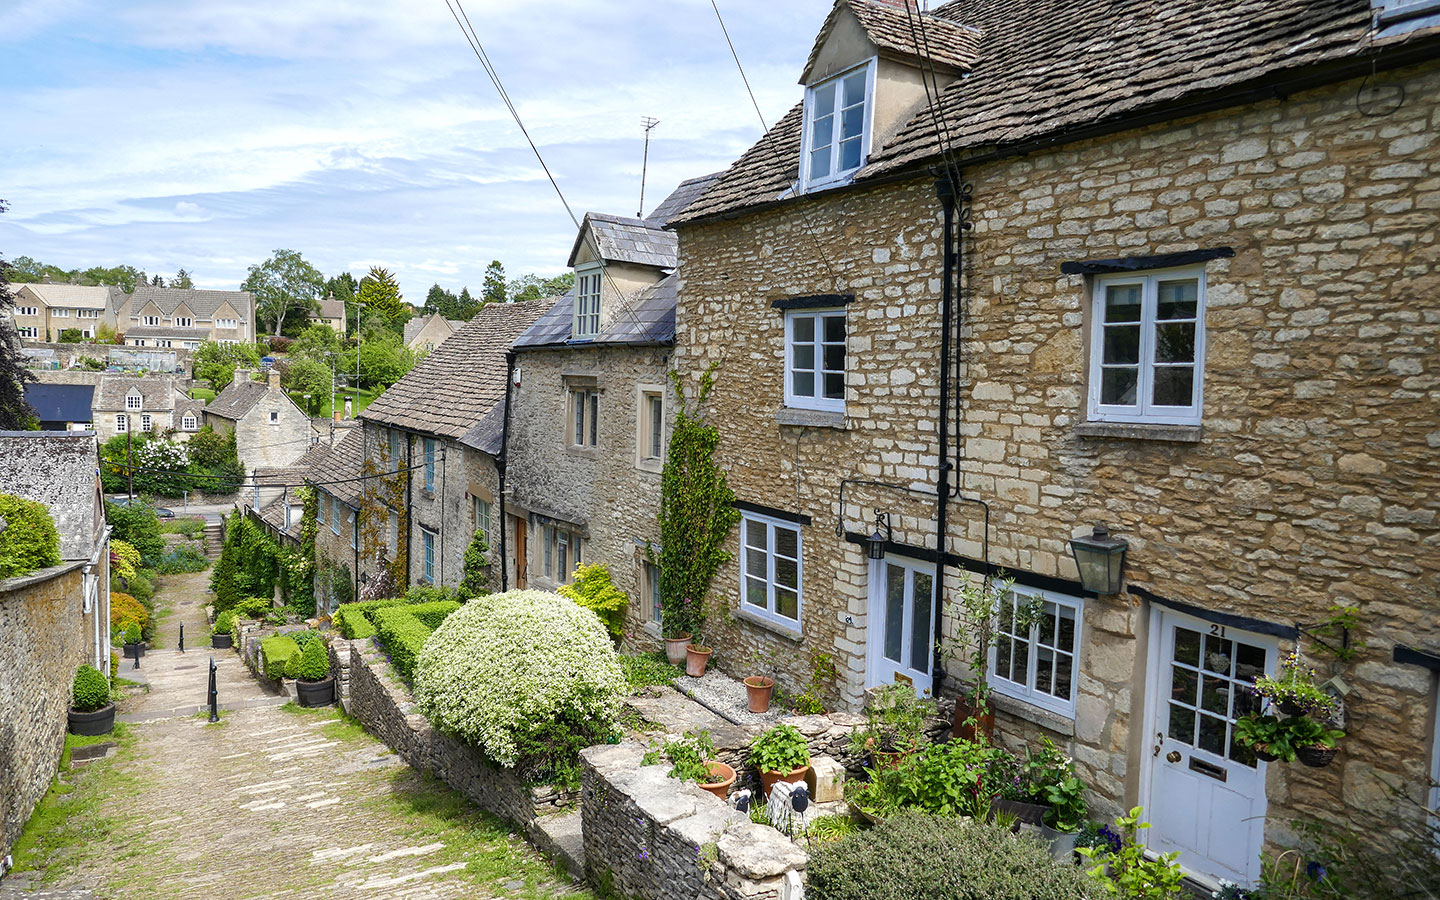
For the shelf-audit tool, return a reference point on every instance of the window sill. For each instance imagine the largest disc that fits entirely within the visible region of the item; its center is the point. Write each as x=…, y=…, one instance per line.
x=810, y=418
x=1050, y=721
x=786, y=631
x=1140, y=431
x=586, y=452
x=652, y=629
x=654, y=466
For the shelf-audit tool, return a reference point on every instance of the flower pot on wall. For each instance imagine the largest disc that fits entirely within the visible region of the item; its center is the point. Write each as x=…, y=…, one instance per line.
x=93, y=724
x=1290, y=708
x=675, y=649
x=966, y=730
x=1316, y=757
x=769, y=779
x=758, y=689
x=722, y=776
x=696, y=658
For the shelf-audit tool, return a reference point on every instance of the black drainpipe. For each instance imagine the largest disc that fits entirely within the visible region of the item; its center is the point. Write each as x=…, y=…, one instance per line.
x=945, y=189
x=409, y=505
x=501, y=463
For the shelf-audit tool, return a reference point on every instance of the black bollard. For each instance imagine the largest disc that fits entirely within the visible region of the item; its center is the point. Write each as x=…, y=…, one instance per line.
x=136, y=649
x=214, y=703
x=182, y=637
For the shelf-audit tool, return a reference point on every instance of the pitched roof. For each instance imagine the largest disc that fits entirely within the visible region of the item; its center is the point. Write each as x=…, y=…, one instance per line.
x=60, y=470
x=488, y=434
x=1044, y=68
x=157, y=392
x=74, y=296
x=203, y=304
x=457, y=384
x=332, y=309
x=185, y=405
x=238, y=398
x=60, y=402
x=334, y=470
x=683, y=195
x=169, y=332
x=897, y=33
x=649, y=319
x=627, y=240
x=415, y=326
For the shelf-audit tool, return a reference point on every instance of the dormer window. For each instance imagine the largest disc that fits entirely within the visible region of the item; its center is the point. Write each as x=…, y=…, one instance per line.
x=184, y=321
x=837, y=126
x=587, y=304
x=133, y=400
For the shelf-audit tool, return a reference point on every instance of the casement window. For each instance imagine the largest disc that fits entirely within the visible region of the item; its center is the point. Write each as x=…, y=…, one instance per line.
x=480, y=516
x=274, y=417
x=188, y=423
x=146, y=423
x=320, y=510
x=354, y=522
x=837, y=126
x=394, y=439
x=771, y=571
x=1147, y=348
x=815, y=359
x=122, y=423
x=28, y=311
x=150, y=320
x=651, y=419
x=1037, y=648
x=59, y=312
x=133, y=400
x=88, y=332
x=584, y=417
x=162, y=343
x=429, y=464
x=184, y=321
x=335, y=515
x=427, y=539
x=587, y=304
x=650, y=585
x=561, y=553
x=87, y=313
x=394, y=533
x=224, y=323
x=28, y=332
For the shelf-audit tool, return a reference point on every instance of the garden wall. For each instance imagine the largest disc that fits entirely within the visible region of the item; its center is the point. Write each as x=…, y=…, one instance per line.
x=45, y=639
x=652, y=837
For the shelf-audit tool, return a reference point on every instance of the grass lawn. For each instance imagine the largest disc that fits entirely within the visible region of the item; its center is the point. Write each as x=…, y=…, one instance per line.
x=323, y=411
x=202, y=394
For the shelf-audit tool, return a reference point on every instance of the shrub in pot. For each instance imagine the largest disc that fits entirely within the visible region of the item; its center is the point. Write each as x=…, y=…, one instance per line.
x=781, y=753
x=895, y=719
x=697, y=657
x=1314, y=742
x=692, y=758
x=220, y=637
x=91, y=712
x=314, y=686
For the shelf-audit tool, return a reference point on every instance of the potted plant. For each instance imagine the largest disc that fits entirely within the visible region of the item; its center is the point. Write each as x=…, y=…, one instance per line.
x=1314, y=742
x=758, y=688
x=1293, y=691
x=1267, y=737
x=692, y=759
x=675, y=648
x=781, y=754
x=682, y=623
x=220, y=637
x=91, y=712
x=314, y=685
x=134, y=647
x=975, y=612
x=894, y=725
x=697, y=657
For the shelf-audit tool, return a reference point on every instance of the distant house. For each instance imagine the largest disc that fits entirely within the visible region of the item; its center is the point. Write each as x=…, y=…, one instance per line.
x=44, y=310
x=332, y=313
x=144, y=404
x=425, y=334
x=166, y=317
x=270, y=430
x=61, y=407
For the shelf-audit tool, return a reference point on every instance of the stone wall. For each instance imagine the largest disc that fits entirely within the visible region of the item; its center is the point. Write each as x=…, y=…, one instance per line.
x=262, y=442
x=1312, y=481
x=46, y=633
x=656, y=838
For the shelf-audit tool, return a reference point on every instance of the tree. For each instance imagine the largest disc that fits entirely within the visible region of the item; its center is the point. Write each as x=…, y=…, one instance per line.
x=493, y=290
x=342, y=287
x=466, y=307
x=182, y=281
x=284, y=284
x=310, y=377
x=380, y=293
x=157, y=281
x=71, y=336
x=533, y=287
x=315, y=342
x=383, y=363
x=216, y=362
x=15, y=413
x=439, y=300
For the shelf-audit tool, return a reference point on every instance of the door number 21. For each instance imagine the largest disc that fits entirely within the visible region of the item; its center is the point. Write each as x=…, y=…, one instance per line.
x=1217, y=630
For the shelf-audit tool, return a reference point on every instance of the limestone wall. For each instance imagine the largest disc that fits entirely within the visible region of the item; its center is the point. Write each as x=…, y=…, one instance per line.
x=653, y=837
x=46, y=633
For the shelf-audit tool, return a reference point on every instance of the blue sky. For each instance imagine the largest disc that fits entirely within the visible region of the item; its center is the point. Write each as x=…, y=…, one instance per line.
x=207, y=134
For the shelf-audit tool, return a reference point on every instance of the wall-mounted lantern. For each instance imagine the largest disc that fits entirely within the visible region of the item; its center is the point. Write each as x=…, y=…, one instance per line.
x=877, y=540
x=1100, y=559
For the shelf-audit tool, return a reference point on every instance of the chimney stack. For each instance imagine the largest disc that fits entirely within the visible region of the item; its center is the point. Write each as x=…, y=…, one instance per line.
x=272, y=380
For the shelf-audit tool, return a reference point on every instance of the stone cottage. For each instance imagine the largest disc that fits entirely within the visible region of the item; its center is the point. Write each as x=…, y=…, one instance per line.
x=144, y=404
x=270, y=430
x=424, y=334
x=590, y=402
x=1001, y=277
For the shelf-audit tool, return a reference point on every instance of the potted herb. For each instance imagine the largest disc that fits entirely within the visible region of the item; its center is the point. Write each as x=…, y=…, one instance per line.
x=1314, y=742
x=781, y=754
x=314, y=685
x=758, y=688
x=697, y=657
x=894, y=725
x=220, y=638
x=692, y=758
x=1267, y=737
x=975, y=612
x=1294, y=692
x=91, y=712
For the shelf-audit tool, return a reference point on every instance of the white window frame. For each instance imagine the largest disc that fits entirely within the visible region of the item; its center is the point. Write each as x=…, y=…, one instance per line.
x=122, y=423
x=335, y=514
x=188, y=423
x=650, y=588
x=801, y=401
x=225, y=323
x=184, y=321
x=320, y=509
x=588, y=293
x=134, y=400
x=1143, y=411
x=354, y=522
x=393, y=532
x=28, y=331
x=87, y=314
x=550, y=540
x=481, y=516
x=1027, y=692
x=430, y=464
x=147, y=422
x=28, y=311
x=836, y=176
x=427, y=546
x=59, y=312
x=768, y=612
x=584, y=431
x=647, y=430
x=150, y=320
x=393, y=439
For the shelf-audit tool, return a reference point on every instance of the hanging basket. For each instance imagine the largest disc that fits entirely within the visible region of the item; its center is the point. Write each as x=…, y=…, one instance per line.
x=1316, y=757
x=1262, y=753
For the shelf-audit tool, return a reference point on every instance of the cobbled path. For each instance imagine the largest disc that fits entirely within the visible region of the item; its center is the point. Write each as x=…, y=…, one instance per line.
x=270, y=802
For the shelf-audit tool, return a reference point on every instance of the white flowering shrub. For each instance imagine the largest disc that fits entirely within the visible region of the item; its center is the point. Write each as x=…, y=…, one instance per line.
x=528, y=677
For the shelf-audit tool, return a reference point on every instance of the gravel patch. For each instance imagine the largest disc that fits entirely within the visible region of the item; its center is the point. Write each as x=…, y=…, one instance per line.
x=726, y=697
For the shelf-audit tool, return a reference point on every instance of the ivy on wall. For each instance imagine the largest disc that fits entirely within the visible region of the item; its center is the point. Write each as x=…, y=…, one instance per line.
x=696, y=513
x=382, y=495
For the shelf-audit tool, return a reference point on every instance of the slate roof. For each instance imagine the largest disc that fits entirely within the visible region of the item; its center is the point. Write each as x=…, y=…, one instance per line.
x=61, y=470
x=457, y=384
x=60, y=402
x=626, y=239
x=238, y=398
x=203, y=304
x=71, y=296
x=650, y=319
x=1046, y=67
x=157, y=392
x=488, y=434
x=184, y=404
x=895, y=33
x=684, y=194
x=333, y=469
x=168, y=332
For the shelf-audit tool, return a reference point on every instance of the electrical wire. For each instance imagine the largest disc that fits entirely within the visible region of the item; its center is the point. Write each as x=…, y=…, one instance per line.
x=126, y=469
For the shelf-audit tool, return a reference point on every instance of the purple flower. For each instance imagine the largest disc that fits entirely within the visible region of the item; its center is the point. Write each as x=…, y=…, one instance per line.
x=1315, y=871
x=644, y=855
x=1111, y=837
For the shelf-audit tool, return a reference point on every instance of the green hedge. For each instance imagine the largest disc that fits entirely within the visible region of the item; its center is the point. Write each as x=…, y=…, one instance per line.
x=275, y=652
x=432, y=614
x=30, y=540
x=403, y=635
x=353, y=619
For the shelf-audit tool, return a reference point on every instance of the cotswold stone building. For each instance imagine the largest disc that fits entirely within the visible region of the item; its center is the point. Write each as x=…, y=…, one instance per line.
x=1173, y=271
x=270, y=430
x=171, y=317
x=590, y=401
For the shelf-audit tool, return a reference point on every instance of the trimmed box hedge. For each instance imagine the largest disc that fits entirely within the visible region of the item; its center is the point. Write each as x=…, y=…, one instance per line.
x=275, y=652
x=404, y=629
x=353, y=619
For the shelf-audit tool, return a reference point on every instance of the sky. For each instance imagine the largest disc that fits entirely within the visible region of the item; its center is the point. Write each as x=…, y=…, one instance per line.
x=206, y=134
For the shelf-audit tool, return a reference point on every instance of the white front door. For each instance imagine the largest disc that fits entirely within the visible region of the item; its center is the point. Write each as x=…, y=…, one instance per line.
x=1206, y=795
x=902, y=614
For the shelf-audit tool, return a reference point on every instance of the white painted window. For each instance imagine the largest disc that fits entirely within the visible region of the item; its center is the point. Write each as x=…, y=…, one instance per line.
x=394, y=533
x=650, y=584
x=587, y=304
x=561, y=553
x=1037, y=648
x=429, y=464
x=184, y=321
x=59, y=312
x=146, y=423
x=354, y=521
x=163, y=342
x=836, y=139
x=1147, y=347
x=28, y=332
x=224, y=323
x=480, y=514
x=583, y=427
x=28, y=310
x=428, y=539
x=335, y=514
x=133, y=400
x=87, y=314
x=122, y=423
x=88, y=332
x=815, y=359
x=651, y=419
x=320, y=509
x=770, y=567
x=274, y=416
x=188, y=423
x=394, y=438
x=150, y=320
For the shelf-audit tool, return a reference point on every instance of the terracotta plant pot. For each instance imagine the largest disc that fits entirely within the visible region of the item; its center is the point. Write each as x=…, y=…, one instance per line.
x=1316, y=757
x=758, y=689
x=723, y=776
x=769, y=779
x=696, y=659
x=222, y=641
x=93, y=724
x=675, y=649
x=881, y=760
x=960, y=728
x=316, y=693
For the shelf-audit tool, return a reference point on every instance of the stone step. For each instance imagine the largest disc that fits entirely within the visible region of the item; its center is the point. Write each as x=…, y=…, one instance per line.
x=561, y=838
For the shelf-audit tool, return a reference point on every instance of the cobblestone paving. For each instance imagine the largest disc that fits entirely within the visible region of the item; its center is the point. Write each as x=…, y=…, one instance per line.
x=271, y=802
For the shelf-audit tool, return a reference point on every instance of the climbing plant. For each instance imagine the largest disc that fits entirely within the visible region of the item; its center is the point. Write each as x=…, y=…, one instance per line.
x=385, y=494
x=697, y=512
x=249, y=564
x=475, y=575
